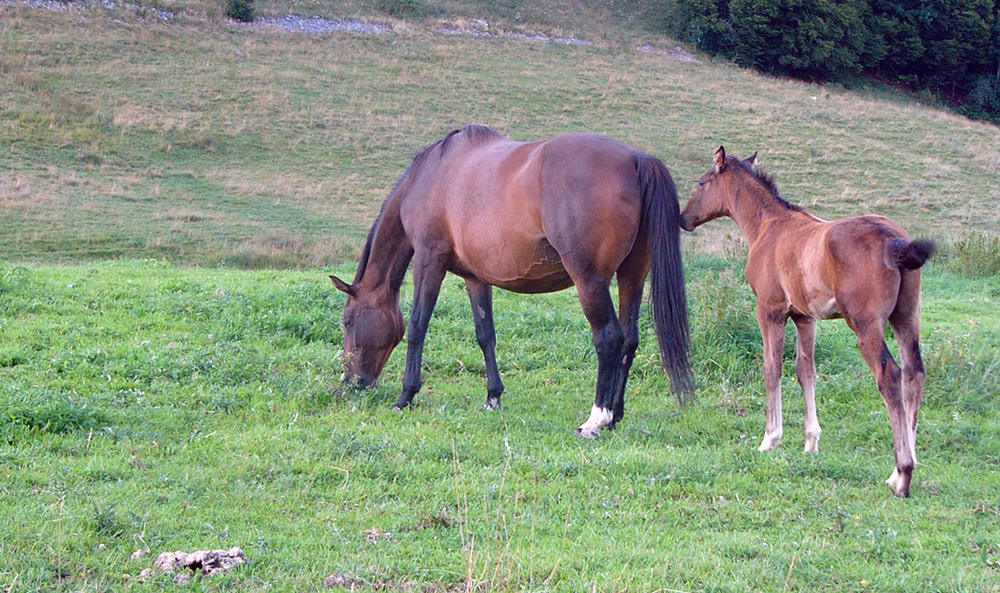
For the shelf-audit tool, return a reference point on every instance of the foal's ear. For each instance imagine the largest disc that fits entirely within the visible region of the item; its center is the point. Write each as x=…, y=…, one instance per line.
x=720, y=159
x=342, y=286
x=752, y=161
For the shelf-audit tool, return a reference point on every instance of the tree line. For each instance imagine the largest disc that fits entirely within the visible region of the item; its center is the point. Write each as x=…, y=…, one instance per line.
x=948, y=48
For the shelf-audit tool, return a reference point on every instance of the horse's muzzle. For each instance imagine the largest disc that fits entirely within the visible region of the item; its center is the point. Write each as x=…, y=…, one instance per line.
x=358, y=381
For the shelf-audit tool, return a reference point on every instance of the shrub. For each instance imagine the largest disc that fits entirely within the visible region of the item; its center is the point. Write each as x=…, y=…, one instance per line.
x=240, y=10
x=948, y=48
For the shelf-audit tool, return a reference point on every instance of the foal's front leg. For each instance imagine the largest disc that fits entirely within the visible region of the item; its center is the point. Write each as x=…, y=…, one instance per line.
x=772, y=329
x=481, y=297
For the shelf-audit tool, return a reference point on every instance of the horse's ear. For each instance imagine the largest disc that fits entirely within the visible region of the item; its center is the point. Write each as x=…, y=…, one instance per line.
x=342, y=286
x=720, y=159
x=752, y=161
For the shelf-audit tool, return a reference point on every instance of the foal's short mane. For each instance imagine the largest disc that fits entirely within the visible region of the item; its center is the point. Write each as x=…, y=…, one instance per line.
x=768, y=182
x=473, y=133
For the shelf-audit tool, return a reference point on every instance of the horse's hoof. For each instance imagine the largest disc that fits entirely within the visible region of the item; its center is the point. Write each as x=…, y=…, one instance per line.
x=492, y=404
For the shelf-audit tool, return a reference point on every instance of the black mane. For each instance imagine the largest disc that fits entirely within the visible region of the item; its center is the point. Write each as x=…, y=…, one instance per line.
x=768, y=182
x=474, y=133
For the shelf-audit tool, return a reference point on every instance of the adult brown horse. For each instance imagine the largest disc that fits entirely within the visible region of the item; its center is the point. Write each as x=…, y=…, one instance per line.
x=864, y=269
x=530, y=217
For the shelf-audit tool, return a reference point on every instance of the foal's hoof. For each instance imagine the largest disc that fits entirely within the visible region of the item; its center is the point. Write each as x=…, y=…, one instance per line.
x=492, y=404
x=770, y=442
x=900, y=484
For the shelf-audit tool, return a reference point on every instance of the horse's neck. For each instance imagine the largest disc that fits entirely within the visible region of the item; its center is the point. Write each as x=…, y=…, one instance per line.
x=389, y=257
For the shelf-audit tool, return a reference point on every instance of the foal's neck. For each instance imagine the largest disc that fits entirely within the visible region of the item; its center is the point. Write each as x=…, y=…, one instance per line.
x=754, y=207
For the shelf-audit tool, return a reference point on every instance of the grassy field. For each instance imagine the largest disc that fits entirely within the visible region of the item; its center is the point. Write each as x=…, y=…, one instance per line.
x=157, y=397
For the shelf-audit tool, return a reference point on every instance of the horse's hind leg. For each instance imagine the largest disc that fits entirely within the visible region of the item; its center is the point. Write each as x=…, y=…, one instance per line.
x=608, y=341
x=888, y=376
x=481, y=297
x=630, y=286
x=805, y=372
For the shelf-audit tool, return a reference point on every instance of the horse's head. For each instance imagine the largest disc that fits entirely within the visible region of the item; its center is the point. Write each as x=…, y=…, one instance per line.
x=373, y=327
x=711, y=200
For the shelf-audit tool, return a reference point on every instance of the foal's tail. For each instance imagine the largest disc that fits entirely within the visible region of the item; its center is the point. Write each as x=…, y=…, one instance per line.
x=661, y=212
x=909, y=255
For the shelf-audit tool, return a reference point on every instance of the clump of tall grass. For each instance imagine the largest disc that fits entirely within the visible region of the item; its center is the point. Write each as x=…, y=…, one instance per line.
x=977, y=254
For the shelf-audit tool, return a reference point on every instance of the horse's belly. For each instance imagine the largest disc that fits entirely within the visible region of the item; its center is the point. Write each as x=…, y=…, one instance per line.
x=532, y=268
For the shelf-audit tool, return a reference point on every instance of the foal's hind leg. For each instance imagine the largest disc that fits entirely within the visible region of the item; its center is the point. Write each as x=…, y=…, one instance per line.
x=608, y=341
x=481, y=297
x=805, y=372
x=888, y=376
x=905, y=321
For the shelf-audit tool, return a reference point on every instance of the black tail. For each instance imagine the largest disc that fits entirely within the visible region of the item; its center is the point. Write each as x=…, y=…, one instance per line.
x=909, y=255
x=661, y=211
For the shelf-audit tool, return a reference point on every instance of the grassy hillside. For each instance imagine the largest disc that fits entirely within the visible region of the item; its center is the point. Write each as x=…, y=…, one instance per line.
x=205, y=143
x=154, y=399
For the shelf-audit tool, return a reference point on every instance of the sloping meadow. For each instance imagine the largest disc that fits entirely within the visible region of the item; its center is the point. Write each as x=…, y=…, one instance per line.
x=157, y=398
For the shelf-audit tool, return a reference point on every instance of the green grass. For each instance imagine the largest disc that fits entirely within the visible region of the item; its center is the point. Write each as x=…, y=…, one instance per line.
x=149, y=407
x=156, y=397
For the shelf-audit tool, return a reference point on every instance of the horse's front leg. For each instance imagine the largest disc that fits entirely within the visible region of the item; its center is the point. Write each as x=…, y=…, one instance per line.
x=428, y=274
x=805, y=371
x=772, y=328
x=608, y=341
x=481, y=297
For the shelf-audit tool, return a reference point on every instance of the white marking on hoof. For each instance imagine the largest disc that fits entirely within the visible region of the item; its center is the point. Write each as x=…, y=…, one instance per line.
x=893, y=481
x=812, y=442
x=599, y=418
x=770, y=441
x=492, y=403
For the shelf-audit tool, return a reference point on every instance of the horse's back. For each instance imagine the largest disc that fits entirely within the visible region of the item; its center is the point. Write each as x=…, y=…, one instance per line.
x=526, y=216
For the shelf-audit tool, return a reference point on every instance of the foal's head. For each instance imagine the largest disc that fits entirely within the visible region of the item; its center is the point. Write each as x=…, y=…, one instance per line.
x=715, y=189
x=373, y=327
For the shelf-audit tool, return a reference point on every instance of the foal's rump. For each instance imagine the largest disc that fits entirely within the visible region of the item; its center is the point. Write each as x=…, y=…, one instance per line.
x=875, y=258
x=877, y=239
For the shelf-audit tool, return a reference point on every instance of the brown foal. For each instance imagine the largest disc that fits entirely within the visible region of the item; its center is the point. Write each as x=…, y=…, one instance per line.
x=864, y=269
